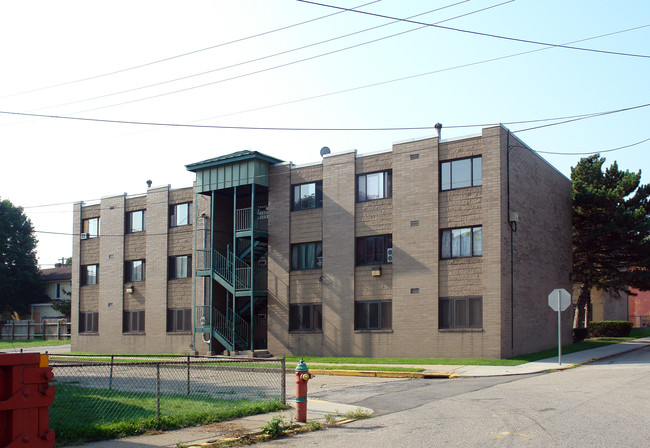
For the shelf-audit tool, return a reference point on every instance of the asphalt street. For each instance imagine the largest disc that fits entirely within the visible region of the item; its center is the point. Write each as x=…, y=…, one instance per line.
x=601, y=404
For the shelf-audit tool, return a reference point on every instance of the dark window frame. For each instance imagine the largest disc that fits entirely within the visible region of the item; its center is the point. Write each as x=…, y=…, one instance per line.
x=297, y=200
x=306, y=317
x=373, y=315
x=474, y=182
x=130, y=271
x=88, y=322
x=86, y=227
x=130, y=228
x=474, y=248
x=373, y=250
x=85, y=278
x=362, y=186
x=133, y=321
x=173, y=267
x=179, y=320
x=456, y=312
x=299, y=261
x=174, y=214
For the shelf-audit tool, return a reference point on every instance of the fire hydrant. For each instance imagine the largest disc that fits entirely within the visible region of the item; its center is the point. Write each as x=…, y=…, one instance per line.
x=302, y=376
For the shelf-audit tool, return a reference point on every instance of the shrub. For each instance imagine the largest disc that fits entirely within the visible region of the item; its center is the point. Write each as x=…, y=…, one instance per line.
x=610, y=328
x=579, y=334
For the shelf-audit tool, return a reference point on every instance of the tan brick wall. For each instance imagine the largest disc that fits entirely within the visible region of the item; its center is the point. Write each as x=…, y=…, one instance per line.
x=461, y=277
x=306, y=225
x=460, y=208
x=306, y=286
x=306, y=174
x=279, y=259
x=367, y=287
x=374, y=217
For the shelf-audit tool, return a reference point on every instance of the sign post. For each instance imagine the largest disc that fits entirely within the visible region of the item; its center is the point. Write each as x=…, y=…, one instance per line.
x=559, y=300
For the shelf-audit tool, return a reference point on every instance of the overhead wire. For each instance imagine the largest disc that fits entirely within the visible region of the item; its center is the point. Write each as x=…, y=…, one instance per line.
x=147, y=64
x=477, y=33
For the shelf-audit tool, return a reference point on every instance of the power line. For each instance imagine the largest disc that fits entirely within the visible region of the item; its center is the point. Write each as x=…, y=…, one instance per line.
x=477, y=33
x=594, y=152
x=265, y=57
x=147, y=64
x=276, y=128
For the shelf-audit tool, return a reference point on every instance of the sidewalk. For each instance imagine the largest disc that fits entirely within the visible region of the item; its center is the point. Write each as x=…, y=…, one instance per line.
x=319, y=410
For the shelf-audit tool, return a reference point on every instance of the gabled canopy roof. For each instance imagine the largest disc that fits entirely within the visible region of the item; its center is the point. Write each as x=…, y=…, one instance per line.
x=234, y=157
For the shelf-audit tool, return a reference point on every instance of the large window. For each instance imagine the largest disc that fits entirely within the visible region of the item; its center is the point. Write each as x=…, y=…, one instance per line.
x=89, y=274
x=133, y=321
x=180, y=214
x=306, y=196
x=135, y=221
x=179, y=319
x=180, y=267
x=90, y=228
x=466, y=242
x=461, y=173
x=306, y=317
x=460, y=312
x=134, y=271
x=374, y=186
x=375, y=250
x=307, y=256
x=375, y=315
x=89, y=322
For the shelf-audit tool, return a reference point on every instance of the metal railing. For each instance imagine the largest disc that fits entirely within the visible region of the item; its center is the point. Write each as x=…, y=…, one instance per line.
x=27, y=330
x=243, y=222
x=224, y=325
x=98, y=391
x=640, y=321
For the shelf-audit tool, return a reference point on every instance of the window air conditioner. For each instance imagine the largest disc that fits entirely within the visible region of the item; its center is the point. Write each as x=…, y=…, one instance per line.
x=85, y=236
x=389, y=255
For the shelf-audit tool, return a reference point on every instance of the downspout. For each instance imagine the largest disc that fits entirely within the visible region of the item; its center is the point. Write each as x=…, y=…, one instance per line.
x=234, y=271
x=252, y=275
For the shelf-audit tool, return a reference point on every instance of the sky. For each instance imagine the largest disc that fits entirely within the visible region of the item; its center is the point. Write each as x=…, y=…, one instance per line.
x=286, y=77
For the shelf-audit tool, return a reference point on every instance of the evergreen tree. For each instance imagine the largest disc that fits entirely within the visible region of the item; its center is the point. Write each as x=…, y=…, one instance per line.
x=611, y=229
x=20, y=279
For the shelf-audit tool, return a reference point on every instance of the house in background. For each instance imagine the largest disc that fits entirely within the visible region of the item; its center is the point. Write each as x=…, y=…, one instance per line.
x=639, y=308
x=58, y=286
x=434, y=248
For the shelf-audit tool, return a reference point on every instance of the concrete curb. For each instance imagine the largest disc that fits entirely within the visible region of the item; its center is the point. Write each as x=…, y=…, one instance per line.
x=383, y=374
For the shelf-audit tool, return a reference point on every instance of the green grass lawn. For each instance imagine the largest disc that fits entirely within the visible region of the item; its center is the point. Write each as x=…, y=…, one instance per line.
x=80, y=415
x=514, y=361
x=8, y=345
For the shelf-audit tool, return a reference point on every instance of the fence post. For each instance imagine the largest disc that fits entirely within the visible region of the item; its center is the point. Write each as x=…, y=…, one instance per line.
x=188, y=374
x=13, y=330
x=58, y=329
x=158, y=392
x=284, y=381
x=110, y=377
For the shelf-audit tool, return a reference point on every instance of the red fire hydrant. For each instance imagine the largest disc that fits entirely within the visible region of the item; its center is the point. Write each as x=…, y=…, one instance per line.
x=302, y=376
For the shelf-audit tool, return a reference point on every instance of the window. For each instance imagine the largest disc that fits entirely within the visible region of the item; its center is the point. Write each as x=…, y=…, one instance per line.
x=306, y=317
x=374, y=186
x=376, y=315
x=456, y=243
x=306, y=196
x=180, y=214
x=134, y=271
x=461, y=173
x=57, y=291
x=307, y=256
x=135, y=221
x=89, y=322
x=374, y=250
x=460, y=312
x=133, y=321
x=179, y=319
x=90, y=227
x=180, y=267
x=89, y=274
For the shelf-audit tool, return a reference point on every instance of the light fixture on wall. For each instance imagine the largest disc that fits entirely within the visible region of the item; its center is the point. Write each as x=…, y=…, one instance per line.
x=376, y=271
x=129, y=289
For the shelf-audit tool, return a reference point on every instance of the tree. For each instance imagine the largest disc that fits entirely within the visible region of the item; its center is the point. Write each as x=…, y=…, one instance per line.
x=611, y=228
x=20, y=279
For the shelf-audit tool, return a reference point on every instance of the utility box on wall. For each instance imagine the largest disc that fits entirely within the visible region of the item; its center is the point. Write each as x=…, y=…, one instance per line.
x=25, y=400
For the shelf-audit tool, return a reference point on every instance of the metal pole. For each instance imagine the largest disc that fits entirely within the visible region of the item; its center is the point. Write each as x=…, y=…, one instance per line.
x=234, y=271
x=158, y=391
x=110, y=377
x=252, y=275
x=188, y=374
x=283, y=380
x=559, y=330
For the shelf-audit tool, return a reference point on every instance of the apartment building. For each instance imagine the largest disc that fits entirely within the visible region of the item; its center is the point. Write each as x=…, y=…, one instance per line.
x=432, y=249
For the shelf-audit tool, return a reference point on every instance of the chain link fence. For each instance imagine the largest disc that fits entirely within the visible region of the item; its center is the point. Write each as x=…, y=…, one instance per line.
x=99, y=397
